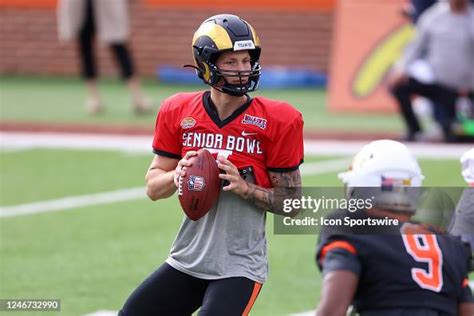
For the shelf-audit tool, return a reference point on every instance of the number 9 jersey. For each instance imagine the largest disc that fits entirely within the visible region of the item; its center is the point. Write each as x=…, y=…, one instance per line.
x=405, y=266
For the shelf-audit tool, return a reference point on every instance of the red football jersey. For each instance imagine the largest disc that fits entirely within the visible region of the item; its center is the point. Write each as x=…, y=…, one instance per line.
x=264, y=134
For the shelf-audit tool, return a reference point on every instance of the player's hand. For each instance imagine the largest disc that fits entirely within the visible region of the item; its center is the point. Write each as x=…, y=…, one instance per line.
x=236, y=184
x=397, y=78
x=180, y=170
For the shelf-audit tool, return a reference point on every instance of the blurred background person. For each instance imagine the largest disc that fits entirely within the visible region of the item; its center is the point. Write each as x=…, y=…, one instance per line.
x=451, y=210
x=444, y=40
x=463, y=221
x=81, y=20
x=414, y=8
x=422, y=106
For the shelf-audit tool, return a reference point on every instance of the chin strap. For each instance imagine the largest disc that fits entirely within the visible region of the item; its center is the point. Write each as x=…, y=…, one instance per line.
x=194, y=67
x=223, y=88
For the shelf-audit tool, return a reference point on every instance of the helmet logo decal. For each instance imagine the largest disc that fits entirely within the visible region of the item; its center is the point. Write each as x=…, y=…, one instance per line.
x=244, y=45
x=388, y=184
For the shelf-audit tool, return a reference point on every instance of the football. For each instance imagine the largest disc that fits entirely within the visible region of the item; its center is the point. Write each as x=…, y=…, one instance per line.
x=199, y=189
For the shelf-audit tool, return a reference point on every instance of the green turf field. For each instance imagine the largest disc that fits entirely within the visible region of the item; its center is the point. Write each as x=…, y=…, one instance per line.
x=92, y=257
x=55, y=99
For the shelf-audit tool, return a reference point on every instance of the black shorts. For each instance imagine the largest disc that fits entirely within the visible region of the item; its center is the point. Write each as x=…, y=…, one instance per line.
x=170, y=292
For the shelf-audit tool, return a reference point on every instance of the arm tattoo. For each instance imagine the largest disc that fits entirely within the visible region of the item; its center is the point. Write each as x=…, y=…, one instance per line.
x=286, y=185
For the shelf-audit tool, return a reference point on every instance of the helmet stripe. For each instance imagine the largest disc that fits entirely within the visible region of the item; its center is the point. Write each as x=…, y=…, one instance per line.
x=256, y=39
x=217, y=33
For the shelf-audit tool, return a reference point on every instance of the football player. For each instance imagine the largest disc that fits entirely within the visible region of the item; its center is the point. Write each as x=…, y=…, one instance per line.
x=401, y=269
x=219, y=263
x=463, y=221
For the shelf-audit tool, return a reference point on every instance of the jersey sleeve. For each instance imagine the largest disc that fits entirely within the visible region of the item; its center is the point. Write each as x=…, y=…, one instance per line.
x=286, y=150
x=466, y=293
x=166, y=140
x=338, y=255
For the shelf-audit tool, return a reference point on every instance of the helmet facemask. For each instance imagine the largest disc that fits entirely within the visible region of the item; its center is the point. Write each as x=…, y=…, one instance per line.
x=248, y=80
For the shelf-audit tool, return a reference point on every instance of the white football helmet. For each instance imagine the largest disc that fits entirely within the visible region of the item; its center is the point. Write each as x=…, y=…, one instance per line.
x=467, y=163
x=387, y=172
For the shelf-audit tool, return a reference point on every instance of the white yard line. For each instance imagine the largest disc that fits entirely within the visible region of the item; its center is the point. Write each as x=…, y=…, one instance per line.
x=308, y=313
x=72, y=202
x=22, y=141
x=422, y=150
x=10, y=141
x=102, y=313
x=325, y=166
